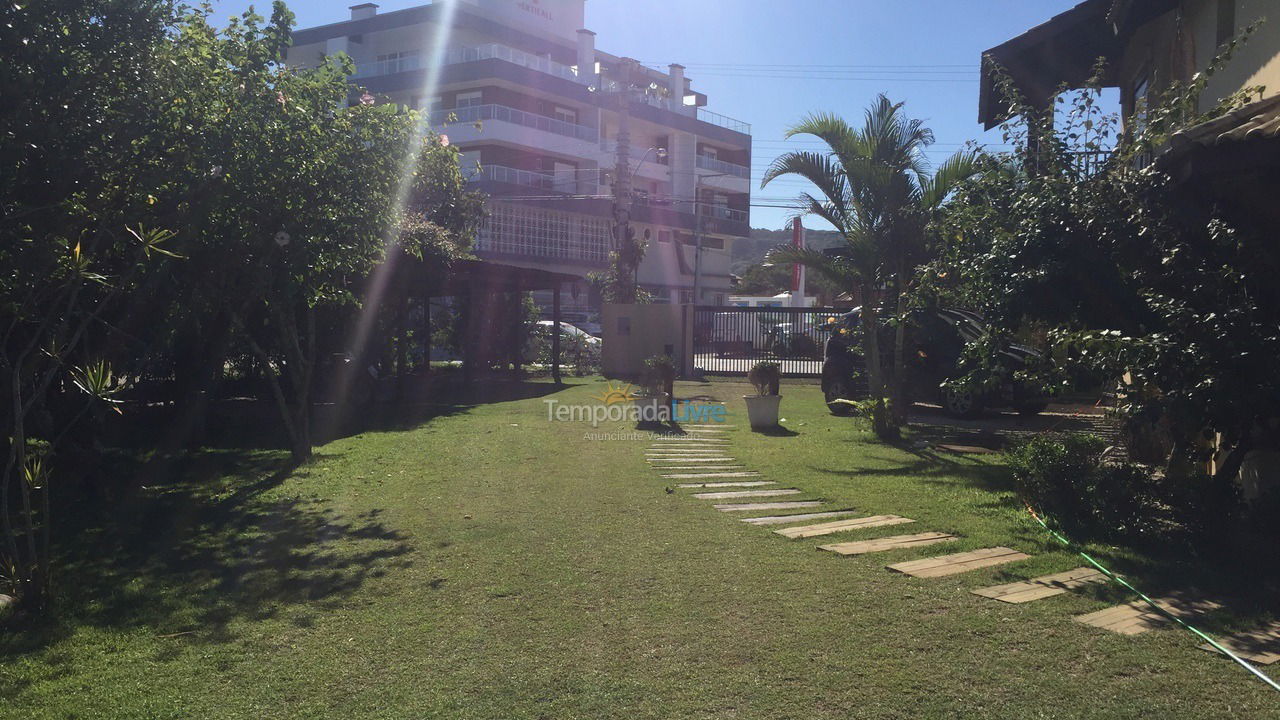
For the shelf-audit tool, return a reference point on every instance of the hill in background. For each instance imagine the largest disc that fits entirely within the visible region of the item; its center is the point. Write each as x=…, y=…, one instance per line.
x=749, y=252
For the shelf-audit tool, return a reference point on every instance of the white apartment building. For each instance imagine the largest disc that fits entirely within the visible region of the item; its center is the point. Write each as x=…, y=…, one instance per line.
x=520, y=87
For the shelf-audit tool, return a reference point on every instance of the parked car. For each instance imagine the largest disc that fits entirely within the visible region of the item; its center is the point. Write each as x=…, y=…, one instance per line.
x=570, y=331
x=791, y=340
x=935, y=342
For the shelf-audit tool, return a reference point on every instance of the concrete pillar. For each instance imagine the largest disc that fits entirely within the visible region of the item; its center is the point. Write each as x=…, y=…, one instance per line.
x=675, y=85
x=587, y=55
x=682, y=161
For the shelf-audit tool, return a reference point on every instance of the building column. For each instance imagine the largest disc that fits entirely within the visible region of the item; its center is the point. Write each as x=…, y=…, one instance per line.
x=587, y=56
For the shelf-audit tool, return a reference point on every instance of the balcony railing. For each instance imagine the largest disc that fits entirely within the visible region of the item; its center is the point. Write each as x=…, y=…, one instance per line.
x=724, y=213
x=720, y=166
x=493, y=51
x=571, y=182
x=502, y=113
x=724, y=121
x=388, y=67
x=459, y=55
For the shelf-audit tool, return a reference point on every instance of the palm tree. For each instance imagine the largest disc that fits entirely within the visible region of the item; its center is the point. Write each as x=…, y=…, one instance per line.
x=875, y=189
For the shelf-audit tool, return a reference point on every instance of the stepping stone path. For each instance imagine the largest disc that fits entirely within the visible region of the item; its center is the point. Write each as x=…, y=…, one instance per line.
x=807, y=531
x=1137, y=617
x=1261, y=646
x=732, y=494
x=747, y=507
x=677, y=458
x=959, y=563
x=784, y=519
x=1043, y=587
x=754, y=483
x=893, y=542
x=695, y=476
x=702, y=452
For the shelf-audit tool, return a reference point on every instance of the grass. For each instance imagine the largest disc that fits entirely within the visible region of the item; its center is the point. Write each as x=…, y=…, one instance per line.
x=486, y=563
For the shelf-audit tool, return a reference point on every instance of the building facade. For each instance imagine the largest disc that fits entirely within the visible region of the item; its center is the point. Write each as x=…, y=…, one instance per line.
x=520, y=87
x=1147, y=45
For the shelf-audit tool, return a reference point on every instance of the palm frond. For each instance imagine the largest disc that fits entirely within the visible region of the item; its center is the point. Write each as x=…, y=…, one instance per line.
x=837, y=269
x=953, y=171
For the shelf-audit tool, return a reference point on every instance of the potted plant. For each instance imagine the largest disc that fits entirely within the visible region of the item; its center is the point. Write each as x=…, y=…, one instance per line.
x=658, y=386
x=762, y=408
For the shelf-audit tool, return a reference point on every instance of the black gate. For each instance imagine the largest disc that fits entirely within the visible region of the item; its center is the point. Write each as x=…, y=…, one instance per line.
x=729, y=340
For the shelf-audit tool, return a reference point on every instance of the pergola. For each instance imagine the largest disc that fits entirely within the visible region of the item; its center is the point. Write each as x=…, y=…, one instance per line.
x=487, y=285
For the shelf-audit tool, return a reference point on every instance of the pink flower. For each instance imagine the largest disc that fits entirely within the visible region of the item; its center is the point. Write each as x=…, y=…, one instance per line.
x=366, y=99
x=444, y=141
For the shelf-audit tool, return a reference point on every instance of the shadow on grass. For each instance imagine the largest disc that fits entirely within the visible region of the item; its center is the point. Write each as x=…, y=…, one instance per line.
x=193, y=555
x=777, y=431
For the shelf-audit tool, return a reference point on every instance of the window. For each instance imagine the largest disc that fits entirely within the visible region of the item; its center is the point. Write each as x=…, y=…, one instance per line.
x=710, y=152
x=1226, y=20
x=429, y=104
x=664, y=236
x=1139, y=99
x=564, y=114
x=686, y=297
x=468, y=99
x=395, y=62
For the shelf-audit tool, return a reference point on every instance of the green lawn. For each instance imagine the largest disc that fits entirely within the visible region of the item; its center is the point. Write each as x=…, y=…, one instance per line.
x=489, y=564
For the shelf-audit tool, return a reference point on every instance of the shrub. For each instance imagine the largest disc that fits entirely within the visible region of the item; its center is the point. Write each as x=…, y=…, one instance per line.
x=766, y=377
x=660, y=375
x=1066, y=477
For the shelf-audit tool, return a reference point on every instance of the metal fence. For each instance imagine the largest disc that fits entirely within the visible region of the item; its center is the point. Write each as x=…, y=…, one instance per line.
x=730, y=340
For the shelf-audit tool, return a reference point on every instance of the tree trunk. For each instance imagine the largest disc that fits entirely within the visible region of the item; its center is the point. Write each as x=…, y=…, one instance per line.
x=880, y=422
x=898, y=379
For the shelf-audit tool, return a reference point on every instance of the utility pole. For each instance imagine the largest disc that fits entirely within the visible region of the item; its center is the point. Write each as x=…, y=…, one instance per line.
x=622, y=232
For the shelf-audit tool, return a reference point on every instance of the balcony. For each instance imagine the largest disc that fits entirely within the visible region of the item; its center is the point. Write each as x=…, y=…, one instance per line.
x=388, y=67
x=493, y=51
x=574, y=182
x=724, y=121
x=709, y=163
x=502, y=113
x=720, y=212
x=460, y=55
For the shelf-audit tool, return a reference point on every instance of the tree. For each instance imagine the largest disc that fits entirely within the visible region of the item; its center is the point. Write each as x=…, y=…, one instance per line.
x=1166, y=294
x=308, y=196
x=875, y=190
x=78, y=232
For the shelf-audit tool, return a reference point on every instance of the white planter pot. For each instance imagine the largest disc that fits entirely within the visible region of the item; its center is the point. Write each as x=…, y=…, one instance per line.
x=762, y=410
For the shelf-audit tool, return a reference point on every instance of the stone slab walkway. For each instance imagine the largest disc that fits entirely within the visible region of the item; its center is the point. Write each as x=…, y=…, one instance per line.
x=695, y=476
x=1042, y=587
x=1261, y=646
x=959, y=562
x=749, y=483
x=1137, y=617
x=750, y=507
x=807, y=531
x=732, y=494
x=784, y=519
x=893, y=542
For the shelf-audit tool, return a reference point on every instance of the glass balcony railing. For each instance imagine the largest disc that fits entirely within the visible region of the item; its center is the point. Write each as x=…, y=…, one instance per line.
x=572, y=182
x=516, y=57
x=388, y=67
x=724, y=213
x=720, y=166
x=459, y=55
x=502, y=113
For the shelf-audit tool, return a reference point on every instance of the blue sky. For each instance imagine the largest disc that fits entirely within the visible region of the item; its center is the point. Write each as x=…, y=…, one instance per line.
x=749, y=57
